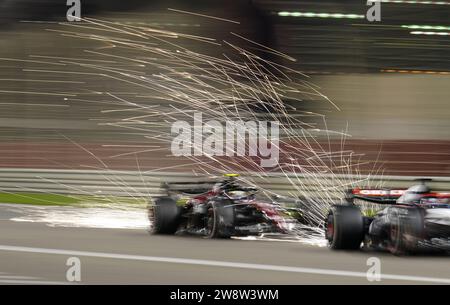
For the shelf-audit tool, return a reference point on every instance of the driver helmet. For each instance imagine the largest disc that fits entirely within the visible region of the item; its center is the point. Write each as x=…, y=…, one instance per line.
x=239, y=194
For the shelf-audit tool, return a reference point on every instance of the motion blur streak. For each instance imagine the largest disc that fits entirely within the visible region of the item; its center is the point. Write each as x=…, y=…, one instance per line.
x=173, y=260
x=123, y=82
x=106, y=217
x=396, y=119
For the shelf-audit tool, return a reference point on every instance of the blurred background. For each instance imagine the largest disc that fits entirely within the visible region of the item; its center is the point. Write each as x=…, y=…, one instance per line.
x=390, y=79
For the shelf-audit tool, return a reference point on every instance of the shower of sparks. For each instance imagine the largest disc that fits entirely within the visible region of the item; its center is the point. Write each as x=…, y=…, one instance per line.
x=201, y=15
x=173, y=82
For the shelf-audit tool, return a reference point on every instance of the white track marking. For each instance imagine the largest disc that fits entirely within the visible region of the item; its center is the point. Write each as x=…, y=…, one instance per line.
x=6, y=278
x=223, y=264
x=23, y=282
x=17, y=277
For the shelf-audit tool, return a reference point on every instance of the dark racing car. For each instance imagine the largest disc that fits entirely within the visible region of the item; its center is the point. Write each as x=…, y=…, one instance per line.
x=414, y=220
x=218, y=209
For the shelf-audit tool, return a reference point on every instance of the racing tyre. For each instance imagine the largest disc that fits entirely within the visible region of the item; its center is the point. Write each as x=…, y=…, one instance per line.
x=406, y=229
x=344, y=228
x=164, y=216
x=220, y=219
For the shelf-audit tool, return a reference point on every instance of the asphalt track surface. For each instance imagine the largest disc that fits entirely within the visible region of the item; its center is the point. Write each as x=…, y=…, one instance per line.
x=35, y=253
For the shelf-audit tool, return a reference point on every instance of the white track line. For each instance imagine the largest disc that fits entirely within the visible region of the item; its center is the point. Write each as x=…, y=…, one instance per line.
x=17, y=277
x=23, y=282
x=212, y=263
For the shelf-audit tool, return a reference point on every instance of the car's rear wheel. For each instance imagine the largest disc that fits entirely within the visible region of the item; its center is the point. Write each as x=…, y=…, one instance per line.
x=344, y=227
x=406, y=229
x=220, y=219
x=164, y=216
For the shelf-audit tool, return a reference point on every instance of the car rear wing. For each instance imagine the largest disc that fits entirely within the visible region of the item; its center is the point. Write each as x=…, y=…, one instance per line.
x=387, y=196
x=198, y=187
x=381, y=196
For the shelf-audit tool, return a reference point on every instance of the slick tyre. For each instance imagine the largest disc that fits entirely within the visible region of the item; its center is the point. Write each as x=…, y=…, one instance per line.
x=344, y=228
x=406, y=229
x=164, y=216
x=220, y=219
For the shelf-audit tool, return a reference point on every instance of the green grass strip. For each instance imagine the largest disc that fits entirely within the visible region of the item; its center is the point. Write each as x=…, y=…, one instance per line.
x=69, y=200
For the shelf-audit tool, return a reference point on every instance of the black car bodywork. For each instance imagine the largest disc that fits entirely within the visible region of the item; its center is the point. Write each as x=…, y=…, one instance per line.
x=217, y=209
x=413, y=220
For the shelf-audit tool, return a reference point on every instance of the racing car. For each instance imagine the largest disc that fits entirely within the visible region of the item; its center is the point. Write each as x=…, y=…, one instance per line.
x=216, y=209
x=414, y=220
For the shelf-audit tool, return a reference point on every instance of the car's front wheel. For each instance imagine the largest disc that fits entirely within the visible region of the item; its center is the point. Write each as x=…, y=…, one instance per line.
x=405, y=231
x=220, y=219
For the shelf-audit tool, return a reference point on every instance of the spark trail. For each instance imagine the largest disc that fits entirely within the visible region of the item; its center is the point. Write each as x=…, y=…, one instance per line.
x=173, y=82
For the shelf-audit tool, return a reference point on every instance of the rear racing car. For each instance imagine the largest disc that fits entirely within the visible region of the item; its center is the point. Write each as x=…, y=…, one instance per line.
x=217, y=209
x=414, y=220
